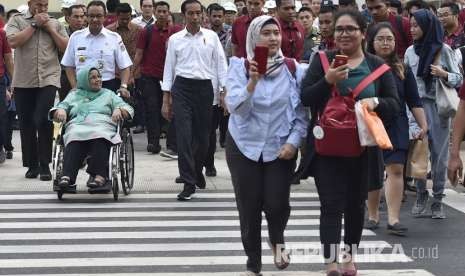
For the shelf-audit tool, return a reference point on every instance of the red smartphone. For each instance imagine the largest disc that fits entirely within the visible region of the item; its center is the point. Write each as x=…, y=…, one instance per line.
x=340, y=60
x=261, y=57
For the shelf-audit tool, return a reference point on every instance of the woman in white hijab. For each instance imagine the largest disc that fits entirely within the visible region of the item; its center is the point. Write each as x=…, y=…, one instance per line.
x=266, y=127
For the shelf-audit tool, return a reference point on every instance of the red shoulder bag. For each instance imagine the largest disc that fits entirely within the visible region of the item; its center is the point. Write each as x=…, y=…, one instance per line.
x=335, y=131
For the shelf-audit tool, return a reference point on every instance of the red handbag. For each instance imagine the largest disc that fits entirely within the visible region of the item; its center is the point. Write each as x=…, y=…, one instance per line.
x=335, y=131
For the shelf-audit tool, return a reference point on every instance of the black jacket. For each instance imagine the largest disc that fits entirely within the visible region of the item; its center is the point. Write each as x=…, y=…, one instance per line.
x=316, y=93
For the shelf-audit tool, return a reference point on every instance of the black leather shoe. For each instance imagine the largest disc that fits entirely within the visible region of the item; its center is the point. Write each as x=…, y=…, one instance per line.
x=9, y=155
x=138, y=129
x=201, y=182
x=45, y=174
x=179, y=180
x=210, y=172
x=32, y=172
x=153, y=149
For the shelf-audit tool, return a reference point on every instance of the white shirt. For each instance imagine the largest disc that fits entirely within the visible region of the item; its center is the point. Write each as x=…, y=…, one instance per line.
x=316, y=23
x=105, y=51
x=200, y=56
x=142, y=22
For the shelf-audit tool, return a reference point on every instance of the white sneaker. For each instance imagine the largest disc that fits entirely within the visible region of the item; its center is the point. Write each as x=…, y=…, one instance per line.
x=169, y=154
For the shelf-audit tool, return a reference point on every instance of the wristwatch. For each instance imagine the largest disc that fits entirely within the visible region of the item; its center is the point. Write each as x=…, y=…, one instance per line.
x=123, y=85
x=34, y=25
x=376, y=101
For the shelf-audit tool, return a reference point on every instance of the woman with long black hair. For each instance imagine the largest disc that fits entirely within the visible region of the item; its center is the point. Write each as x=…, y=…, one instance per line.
x=382, y=43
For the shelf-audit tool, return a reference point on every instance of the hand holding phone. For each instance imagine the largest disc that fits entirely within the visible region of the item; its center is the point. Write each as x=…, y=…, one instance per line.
x=340, y=60
x=261, y=57
x=338, y=70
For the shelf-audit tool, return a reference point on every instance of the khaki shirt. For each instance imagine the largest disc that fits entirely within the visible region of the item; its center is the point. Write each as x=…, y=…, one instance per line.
x=36, y=61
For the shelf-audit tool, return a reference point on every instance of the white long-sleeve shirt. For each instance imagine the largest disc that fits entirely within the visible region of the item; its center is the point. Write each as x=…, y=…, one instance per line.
x=199, y=56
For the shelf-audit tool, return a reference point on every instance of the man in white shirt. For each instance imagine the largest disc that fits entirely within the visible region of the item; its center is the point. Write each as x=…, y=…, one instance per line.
x=195, y=58
x=100, y=47
x=147, y=18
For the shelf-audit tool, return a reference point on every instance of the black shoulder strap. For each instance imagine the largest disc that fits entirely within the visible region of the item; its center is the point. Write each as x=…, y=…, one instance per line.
x=400, y=27
x=148, y=36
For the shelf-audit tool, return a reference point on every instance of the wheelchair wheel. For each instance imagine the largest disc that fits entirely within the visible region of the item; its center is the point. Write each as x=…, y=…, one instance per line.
x=57, y=165
x=114, y=169
x=127, y=162
x=115, y=187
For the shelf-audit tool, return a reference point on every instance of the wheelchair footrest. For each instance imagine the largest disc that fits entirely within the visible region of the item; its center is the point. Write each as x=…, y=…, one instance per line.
x=68, y=190
x=101, y=189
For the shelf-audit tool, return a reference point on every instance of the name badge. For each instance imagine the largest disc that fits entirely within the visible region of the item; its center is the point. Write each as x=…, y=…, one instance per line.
x=100, y=64
x=318, y=132
x=82, y=59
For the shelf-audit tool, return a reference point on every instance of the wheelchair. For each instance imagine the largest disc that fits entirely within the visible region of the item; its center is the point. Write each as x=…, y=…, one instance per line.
x=120, y=162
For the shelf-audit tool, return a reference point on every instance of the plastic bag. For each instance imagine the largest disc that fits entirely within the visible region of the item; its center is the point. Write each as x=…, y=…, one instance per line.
x=376, y=128
x=364, y=135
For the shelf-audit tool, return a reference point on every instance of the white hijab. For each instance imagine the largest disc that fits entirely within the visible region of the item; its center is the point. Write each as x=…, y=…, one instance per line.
x=275, y=62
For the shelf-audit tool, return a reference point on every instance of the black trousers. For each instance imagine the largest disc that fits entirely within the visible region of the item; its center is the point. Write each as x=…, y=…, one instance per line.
x=342, y=189
x=77, y=151
x=65, y=86
x=210, y=160
x=139, y=112
x=224, y=119
x=9, y=120
x=112, y=84
x=32, y=105
x=152, y=96
x=259, y=186
x=171, y=142
x=192, y=107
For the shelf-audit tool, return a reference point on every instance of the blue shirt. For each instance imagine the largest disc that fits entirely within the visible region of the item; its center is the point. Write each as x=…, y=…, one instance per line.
x=263, y=121
x=448, y=61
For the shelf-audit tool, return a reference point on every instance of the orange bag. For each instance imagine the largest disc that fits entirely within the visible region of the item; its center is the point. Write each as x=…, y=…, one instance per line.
x=376, y=127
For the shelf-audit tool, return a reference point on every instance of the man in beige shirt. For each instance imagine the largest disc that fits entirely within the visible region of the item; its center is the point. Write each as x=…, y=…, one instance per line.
x=37, y=38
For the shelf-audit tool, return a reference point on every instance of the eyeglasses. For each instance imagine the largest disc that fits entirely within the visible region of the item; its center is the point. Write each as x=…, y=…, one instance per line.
x=350, y=30
x=442, y=15
x=385, y=39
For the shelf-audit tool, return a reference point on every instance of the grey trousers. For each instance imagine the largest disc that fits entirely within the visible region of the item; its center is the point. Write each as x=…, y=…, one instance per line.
x=438, y=138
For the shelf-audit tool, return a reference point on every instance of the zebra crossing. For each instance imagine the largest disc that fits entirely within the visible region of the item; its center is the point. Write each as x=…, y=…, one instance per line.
x=152, y=234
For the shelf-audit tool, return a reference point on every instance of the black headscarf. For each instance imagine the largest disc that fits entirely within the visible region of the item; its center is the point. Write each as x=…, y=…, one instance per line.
x=429, y=45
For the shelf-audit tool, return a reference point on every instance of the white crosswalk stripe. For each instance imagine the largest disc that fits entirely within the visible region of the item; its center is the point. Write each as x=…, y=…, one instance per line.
x=151, y=234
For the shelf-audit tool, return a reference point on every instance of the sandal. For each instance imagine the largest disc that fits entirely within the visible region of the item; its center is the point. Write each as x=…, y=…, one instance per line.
x=91, y=183
x=333, y=273
x=65, y=182
x=284, y=257
x=66, y=185
x=100, y=186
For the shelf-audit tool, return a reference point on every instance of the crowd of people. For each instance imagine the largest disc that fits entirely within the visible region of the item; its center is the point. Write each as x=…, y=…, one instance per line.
x=187, y=80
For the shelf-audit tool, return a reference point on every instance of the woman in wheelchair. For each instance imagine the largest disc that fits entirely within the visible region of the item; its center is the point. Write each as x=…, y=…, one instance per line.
x=91, y=114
